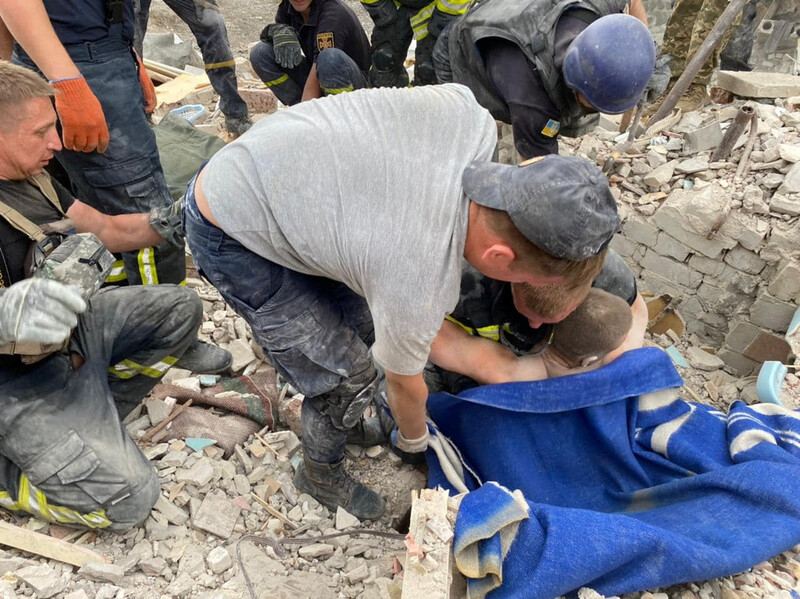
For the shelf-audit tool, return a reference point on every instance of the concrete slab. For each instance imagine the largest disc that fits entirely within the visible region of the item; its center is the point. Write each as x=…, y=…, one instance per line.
x=757, y=84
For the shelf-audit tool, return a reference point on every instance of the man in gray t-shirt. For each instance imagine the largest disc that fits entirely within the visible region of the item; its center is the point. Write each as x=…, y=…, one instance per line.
x=318, y=224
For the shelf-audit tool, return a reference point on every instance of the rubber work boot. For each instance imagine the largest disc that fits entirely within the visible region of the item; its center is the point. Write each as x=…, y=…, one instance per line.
x=332, y=486
x=236, y=125
x=205, y=358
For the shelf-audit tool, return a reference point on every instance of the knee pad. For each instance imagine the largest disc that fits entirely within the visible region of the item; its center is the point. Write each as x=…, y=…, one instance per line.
x=383, y=59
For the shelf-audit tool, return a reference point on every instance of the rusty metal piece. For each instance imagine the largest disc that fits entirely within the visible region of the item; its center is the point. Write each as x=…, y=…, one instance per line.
x=723, y=150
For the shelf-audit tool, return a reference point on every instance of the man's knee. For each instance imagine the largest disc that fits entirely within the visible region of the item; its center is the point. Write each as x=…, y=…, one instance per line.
x=134, y=509
x=262, y=57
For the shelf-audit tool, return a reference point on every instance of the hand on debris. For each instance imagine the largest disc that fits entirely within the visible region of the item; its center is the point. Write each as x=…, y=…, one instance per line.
x=167, y=222
x=288, y=53
x=39, y=311
x=383, y=12
x=659, y=80
x=83, y=123
x=148, y=89
x=411, y=451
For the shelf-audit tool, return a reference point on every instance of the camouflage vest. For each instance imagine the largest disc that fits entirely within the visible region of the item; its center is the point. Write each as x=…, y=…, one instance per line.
x=531, y=25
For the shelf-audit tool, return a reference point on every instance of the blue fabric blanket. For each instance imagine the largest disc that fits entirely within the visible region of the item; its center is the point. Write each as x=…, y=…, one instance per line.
x=628, y=487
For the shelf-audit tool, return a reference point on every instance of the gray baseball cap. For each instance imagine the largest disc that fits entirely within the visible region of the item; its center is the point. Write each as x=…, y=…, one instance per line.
x=563, y=205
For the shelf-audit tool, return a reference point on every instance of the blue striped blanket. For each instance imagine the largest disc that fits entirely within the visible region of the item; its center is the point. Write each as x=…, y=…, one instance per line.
x=610, y=480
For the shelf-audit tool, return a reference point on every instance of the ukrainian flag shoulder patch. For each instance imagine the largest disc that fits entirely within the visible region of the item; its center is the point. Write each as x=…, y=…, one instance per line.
x=551, y=128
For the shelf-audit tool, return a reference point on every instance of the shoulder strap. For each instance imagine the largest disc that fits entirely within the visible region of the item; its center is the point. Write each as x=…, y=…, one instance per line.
x=44, y=183
x=21, y=224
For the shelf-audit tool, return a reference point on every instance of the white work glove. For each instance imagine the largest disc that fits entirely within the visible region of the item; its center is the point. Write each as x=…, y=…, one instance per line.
x=39, y=311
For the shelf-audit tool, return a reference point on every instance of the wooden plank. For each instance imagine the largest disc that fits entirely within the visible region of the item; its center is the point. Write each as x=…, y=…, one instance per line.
x=427, y=571
x=45, y=546
x=176, y=90
x=162, y=68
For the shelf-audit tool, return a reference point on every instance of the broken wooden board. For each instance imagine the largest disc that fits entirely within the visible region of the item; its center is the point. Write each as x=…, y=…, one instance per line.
x=668, y=319
x=429, y=569
x=45, y=546
x=176, y=90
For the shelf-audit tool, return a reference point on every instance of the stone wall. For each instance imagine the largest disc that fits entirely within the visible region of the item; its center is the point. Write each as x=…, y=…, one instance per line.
x=738, y=290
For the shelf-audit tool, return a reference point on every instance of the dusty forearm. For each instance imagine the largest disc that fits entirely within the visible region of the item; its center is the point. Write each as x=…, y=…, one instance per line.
x=29, y=24
x=407, y=397
x=312, y=89
x=637, y=10
x=483, y=360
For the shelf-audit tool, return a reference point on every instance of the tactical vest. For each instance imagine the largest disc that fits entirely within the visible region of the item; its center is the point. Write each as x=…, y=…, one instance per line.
x=84, y=263
x=531, y=25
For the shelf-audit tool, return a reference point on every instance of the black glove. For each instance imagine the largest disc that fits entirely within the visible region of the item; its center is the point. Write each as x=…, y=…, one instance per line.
x=439, y=20
x=383, y=12
x=659, y=80
x=167, y=222
x=411, y=452
x=284, y=40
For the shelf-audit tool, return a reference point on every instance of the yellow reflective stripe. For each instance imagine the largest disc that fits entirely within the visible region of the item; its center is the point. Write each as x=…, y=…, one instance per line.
x=423, y=14
x=117, y=273
x=453, y=7
x=338, y=90
x=127, y=369
x=489, y=332
x=147, y=266
x=219, y=65
x=158, y=369
x=182, y=283
x=34, y=501
x=277, y=81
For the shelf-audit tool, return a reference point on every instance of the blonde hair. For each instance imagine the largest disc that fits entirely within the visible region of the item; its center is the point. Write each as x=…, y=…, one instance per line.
x=17, y=85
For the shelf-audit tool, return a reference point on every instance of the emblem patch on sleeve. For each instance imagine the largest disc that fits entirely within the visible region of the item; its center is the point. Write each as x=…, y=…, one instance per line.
x=324, y=41
x=551, y=128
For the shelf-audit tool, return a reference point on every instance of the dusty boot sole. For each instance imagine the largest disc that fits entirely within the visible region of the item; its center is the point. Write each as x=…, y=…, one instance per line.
x=305, y=485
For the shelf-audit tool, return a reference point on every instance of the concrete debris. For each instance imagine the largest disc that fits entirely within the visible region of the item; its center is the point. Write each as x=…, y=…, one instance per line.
x=102, y=572
x=758, y=84
x=216, y=515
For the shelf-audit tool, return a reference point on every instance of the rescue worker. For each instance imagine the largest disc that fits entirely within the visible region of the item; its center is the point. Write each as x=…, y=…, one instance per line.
x=64, y=454
x=85, y=50
x=208, y=27
x=396, y=24
x=490, y=309
x=592, y=336
x=314, y=48
x=363, y=260
x=546, y=67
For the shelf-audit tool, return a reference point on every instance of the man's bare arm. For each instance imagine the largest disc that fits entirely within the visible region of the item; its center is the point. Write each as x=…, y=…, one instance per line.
x=483, y=360
x=120, y=233
x=637, y=10
x=407, y=397
x=6, y=42
x=29, y=24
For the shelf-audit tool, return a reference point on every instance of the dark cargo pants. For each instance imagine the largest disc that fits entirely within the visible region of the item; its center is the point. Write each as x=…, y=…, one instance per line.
x=336, y=71
x=64, y=454
x=208, y=27
x=127, y=177
x=315, y=331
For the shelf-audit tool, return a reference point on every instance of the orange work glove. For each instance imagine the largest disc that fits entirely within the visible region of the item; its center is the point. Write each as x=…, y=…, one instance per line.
x=83, y=123
x=148, y=89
